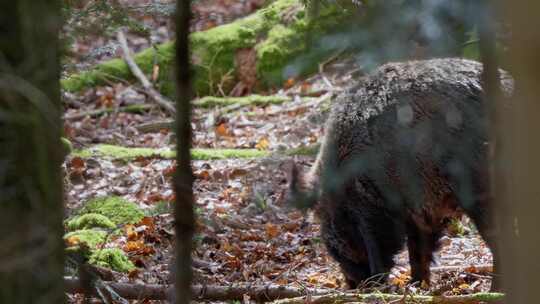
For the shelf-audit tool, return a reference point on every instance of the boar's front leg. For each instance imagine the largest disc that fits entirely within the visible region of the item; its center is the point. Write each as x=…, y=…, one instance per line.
x=421, y=244
x=355, y=248
x=346, y=248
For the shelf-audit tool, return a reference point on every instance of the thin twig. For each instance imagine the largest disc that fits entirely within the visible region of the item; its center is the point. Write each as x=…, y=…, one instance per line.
x=162, y=101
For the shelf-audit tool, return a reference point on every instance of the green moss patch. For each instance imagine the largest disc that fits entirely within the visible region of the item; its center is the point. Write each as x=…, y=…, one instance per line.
x=255, y=100
x=127, y=153
x=116, y=209
x=90, y=220
x=112, y=258
x=209, y=154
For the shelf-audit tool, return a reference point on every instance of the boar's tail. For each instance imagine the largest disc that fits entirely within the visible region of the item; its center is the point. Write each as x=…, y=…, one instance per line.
x=302, y=192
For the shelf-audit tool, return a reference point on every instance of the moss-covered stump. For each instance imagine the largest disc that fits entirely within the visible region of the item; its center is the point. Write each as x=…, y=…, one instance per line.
x=93, y=223
x=275, y=36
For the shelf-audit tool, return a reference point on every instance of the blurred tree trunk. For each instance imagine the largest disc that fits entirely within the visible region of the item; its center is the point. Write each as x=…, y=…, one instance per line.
x=521, y=243
x=497, y=154
x=184, y=214
x=31, y=207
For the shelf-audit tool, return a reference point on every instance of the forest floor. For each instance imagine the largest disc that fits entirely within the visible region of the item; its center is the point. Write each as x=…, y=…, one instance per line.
x=245, y=232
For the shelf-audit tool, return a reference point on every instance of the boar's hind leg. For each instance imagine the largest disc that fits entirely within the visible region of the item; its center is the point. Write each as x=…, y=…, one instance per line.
x=421, y=245
x=482, y=220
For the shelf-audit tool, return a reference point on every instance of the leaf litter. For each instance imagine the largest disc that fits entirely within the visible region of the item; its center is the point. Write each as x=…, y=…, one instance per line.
x=245, y=232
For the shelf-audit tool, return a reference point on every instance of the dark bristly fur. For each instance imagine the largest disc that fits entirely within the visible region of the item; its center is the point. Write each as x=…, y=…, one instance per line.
x=405, y=149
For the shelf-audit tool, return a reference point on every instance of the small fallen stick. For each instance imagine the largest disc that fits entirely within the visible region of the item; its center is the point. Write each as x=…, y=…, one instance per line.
x=163, y=102
x=155, y=126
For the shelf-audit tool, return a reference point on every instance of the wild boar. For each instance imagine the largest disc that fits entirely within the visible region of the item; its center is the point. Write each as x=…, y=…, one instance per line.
x=405, y=149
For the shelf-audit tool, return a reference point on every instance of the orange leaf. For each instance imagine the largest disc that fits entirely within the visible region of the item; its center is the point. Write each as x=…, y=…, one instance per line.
x=169, y=171
x=222, y=130
x=133, y=246
x=131, y=233
x=148, y=222
x=305, y=88
x=291, y=226
x=330, y=282
x=220, y=210
x=203, y=174
x=237, y=172
x=464, y=286
x=77, y=163
x=289, y=83
x=272, y=230
x=72, y=241
x=262, y=144
x=400, y=280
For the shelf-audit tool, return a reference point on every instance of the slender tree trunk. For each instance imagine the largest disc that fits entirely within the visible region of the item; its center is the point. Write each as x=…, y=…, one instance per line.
x=498, y=159
x=522, y=241
x=31, y=207
x=184, y=216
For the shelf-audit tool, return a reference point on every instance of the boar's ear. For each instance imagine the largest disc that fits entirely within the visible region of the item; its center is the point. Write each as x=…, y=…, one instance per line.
x=299, y=194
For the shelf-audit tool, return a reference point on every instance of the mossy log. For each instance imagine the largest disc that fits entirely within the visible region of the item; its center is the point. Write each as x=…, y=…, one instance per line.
x=277, y=37
x=127, y=154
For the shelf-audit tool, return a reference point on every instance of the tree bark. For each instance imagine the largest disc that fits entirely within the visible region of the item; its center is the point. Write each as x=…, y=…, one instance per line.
x=31, y=207
x=521, y=151
x=183, y=182
x=495, y=110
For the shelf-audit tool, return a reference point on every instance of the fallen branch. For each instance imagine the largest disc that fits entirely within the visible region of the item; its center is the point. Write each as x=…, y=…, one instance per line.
x=208, y=293
x=482, y=268
x=98, y=112
x=224, y=105
x=163, y=102
x=228, y=104
x=155, y=126
x=303, y=106
x=276, y=293
x=338, y=298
